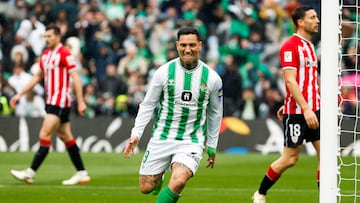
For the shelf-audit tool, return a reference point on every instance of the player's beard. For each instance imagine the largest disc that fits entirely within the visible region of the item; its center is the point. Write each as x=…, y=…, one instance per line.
x=312, y=31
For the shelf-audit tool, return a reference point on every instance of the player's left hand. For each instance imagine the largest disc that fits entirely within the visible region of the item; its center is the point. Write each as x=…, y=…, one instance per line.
x=280, y=113
x=211, y=160
x=82, y=108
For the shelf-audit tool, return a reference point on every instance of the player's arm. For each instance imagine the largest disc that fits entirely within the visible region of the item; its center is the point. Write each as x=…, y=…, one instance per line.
x=78, y=91
x=215, y=114
x=34, y=80
x=293, y=86
x=146, y=109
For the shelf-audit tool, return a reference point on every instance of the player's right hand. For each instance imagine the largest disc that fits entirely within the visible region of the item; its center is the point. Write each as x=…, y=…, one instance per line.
x=14, y=100
x=130, y=146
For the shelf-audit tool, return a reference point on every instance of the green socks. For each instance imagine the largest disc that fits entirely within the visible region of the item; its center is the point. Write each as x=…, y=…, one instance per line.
x=167, y=196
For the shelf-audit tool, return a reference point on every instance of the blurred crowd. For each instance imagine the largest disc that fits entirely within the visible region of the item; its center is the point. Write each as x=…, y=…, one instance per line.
x=118, y=44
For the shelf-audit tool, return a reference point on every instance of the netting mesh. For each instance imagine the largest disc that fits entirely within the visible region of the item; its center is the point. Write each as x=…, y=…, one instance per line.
x=349, y=83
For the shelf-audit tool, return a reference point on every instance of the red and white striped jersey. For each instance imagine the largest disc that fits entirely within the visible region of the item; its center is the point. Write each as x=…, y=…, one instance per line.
x=56, y=65
x=299, y=53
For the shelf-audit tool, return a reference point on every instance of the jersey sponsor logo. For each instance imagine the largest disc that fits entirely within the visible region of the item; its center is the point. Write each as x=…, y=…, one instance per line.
x=185, y=104
x=186, y=96
x=287, y=56
x=309, y=62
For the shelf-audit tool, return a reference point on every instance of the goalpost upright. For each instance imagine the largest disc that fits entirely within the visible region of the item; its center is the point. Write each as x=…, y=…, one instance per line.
x=329, y=102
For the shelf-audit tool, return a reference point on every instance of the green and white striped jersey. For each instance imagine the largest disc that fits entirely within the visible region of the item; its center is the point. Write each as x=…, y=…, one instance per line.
x=191, y=104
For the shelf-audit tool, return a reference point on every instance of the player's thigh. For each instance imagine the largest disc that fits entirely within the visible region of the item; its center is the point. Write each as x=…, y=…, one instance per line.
x=157, y=157
x=50, y=123
x=187, y=156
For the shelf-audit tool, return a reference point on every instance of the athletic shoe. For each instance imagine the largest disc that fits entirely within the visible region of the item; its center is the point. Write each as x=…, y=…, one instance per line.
x=258, y=198
x=80, y=177
x=26, y=175
x=156, y=191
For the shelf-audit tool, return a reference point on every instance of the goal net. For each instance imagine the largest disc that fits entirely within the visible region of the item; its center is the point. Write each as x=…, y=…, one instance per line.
x=348, y=138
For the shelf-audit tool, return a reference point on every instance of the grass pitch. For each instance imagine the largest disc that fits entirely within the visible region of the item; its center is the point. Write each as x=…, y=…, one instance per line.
x=115, y=179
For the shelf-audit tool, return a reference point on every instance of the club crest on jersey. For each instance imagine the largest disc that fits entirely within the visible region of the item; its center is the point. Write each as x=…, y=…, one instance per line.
x=171, y=82
x=186, y=96
x=203, y=87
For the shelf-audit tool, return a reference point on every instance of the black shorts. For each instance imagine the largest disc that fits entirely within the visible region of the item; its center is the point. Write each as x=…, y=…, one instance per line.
x=296, y=130
x=62, y=113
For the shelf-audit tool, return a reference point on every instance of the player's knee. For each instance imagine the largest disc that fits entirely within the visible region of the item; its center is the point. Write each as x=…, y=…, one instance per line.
x=146, y=188
x=292, y=161
x=44, y=134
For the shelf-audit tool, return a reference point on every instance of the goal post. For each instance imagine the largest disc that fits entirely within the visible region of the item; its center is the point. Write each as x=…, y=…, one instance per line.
x=329, y=100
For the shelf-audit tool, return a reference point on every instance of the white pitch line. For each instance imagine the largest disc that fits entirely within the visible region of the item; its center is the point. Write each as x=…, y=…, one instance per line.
x=99, y=187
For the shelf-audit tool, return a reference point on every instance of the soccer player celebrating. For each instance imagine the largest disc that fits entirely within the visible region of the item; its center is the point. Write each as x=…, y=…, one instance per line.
x=190, y=113
x=57, y=66
x=301, y=110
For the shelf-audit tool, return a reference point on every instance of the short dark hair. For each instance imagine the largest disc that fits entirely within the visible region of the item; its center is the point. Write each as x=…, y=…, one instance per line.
x=299, y=13
x=55, y=28
x=188, y=30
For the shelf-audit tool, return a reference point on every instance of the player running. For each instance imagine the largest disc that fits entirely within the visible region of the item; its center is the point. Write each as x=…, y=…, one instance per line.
x=190, y=113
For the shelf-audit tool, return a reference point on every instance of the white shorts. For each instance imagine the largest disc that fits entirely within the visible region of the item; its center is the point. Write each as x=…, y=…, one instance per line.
x=160, y=154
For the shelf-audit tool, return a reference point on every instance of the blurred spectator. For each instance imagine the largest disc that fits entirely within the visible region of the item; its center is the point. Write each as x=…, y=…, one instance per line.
x=30, y=34
x=113, y=9
x=19, y=56
x=32, y=106
x=6, y=40
x=132, y=62
x=73, y=44
x=138, y=37
x=68, y=7
x=6, y=92
x=160, y=36
x=232, y=86
x=102, y=58
x=348, y=100
x=16, y=11
x=290, y=5
x=249, y=106
x=20, y=78
x=272, y=14
x=110, y=86
x=91, y=100
x=273, y=101
x=136, y=92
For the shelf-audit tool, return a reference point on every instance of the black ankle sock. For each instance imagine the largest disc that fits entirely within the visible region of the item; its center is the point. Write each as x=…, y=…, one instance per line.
x=266, y=184
x=75, y=157
x=39, y=157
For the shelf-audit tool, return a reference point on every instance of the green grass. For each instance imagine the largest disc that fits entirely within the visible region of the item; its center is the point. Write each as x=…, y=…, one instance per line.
x=115, y=179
